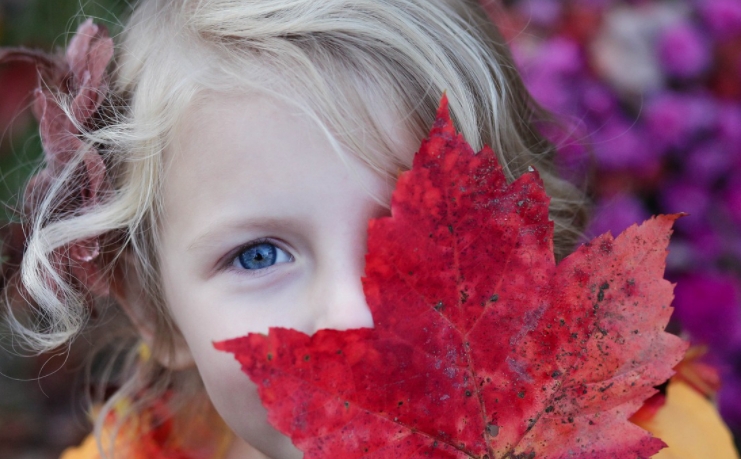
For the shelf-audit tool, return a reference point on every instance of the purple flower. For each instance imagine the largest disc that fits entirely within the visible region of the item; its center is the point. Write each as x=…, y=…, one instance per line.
x=707, y=163
x=616, y=215
x=729, y=127
x=549, y=73
x=544, y=13
x=683, y=196
x=732, y=202
x=573, y=158
x=728, y=397
x=622, y=144
x=673, y=119
x=683, y=51
x=723, y=17
x=709, y=308
x=681, y=256
x=706, y=243
x=598, y=100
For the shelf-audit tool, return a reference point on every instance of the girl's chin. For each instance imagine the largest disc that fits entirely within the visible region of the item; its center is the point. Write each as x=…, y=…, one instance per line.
x=243, y=412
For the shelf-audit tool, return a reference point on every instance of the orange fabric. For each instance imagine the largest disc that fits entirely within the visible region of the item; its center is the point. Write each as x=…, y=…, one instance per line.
x=148, y=437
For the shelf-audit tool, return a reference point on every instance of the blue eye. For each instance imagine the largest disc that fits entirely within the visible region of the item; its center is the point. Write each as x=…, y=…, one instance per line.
x=260, y=256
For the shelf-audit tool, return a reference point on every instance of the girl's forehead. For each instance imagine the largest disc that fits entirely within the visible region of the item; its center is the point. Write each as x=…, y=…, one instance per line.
x=243, y=162
x=369, y=130
x=230, y=141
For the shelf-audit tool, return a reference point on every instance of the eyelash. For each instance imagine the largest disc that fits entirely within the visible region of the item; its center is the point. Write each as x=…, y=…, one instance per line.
x=234, y=256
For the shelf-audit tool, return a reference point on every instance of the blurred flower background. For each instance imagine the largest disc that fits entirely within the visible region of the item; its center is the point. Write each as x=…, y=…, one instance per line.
x=648, y=98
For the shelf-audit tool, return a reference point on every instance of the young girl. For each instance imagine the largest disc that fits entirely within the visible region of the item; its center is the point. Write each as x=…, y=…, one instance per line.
x=220, y=181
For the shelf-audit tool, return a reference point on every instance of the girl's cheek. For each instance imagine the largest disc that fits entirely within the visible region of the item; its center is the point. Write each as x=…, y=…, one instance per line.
x=236, y=399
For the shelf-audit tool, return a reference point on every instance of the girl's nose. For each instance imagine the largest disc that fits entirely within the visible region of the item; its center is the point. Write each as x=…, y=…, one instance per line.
x=337, y=297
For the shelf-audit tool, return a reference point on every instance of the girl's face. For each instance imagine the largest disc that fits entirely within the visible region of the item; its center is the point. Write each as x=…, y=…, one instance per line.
x=265, y=226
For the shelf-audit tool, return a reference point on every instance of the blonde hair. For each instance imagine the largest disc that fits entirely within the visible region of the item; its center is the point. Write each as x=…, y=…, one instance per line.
x=345, y=63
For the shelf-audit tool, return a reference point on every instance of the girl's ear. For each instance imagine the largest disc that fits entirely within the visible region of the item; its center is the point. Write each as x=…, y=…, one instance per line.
x=127, y=289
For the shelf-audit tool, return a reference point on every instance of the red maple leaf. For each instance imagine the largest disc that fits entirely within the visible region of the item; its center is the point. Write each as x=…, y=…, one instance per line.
x=482, y=346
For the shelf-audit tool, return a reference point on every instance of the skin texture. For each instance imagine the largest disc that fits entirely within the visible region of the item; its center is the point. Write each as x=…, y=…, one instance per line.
x=246, y=168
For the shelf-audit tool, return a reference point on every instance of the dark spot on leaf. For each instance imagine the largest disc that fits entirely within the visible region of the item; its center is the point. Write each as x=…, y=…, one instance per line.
x=306, y=358
x=401, y=402
x=556, y=374
x=602, y=389
x=602, y=288
x=492, y=430
x=494, y=298
x=439, y=306
x=549, y=409
x=468, y=393
x=270, y=356
x=450, y=228
x=347, y=404
x=521, y=394
x=464, y=296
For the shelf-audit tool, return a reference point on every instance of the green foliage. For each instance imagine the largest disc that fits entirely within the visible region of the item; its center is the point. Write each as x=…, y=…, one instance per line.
x=47, y=23
x=16, y=167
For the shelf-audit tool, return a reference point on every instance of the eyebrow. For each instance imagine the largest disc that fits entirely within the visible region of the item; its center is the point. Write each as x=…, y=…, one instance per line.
x=228, y=226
